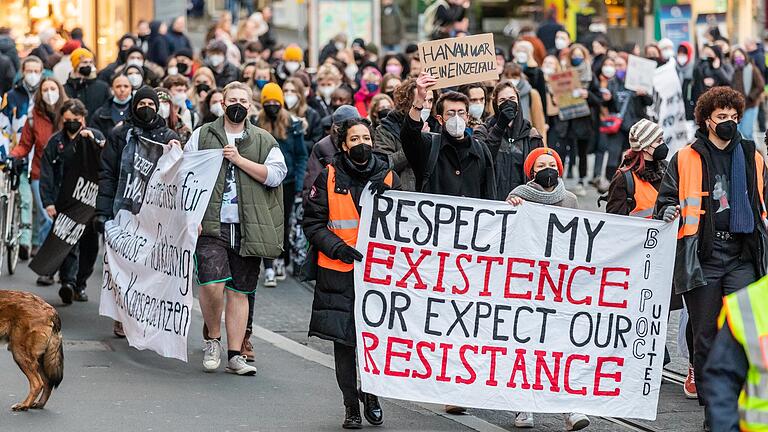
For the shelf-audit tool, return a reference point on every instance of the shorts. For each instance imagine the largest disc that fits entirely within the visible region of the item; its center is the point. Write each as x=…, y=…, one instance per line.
x=217, y=260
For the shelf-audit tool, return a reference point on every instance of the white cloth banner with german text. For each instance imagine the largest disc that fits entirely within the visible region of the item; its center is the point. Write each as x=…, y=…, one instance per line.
x=150, y=246
x=533, y=308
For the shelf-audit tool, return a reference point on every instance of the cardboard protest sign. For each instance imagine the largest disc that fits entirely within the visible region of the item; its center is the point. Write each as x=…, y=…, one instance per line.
x=640, y=73
x=564, y=86
x=150, y=246
x=75, y=205
x=458, y=61
x=671, y=108
x=532, y=308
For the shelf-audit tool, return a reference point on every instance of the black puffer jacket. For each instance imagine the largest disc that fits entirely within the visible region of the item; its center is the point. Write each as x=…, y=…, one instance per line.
x=333, y=316
x=109, y=171
x=91, y=92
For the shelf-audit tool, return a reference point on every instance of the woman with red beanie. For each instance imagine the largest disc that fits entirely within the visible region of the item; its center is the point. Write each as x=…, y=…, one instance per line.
x=544, y=172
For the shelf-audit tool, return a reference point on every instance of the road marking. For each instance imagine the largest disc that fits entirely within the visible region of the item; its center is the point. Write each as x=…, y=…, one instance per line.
x=78, y=345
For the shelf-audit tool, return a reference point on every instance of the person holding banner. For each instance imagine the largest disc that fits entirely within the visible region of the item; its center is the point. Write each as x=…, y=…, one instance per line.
x=242, y=224
x=331, y=218
x=544, y=171
x=118, y=155
x=717, y=184
x=58, y=154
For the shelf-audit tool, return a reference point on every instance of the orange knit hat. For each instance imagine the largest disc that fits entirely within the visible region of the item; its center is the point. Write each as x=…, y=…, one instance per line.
x=534, y=154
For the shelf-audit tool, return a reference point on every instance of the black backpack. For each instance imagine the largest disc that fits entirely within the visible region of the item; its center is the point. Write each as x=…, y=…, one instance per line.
x=630, y=180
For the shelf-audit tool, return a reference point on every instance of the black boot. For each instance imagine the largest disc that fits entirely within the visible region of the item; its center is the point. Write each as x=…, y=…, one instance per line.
x=352, y=418
x=66, y=292
x=371, y=409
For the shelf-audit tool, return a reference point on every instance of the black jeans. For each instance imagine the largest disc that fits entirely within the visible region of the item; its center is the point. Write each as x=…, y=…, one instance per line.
x=346, y=372
x=78, y=265
x=726, y=273
x=289, y=193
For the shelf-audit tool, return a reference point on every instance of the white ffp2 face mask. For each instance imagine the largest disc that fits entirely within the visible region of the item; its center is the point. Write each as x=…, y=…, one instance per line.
x=476, y=111
x=455, y=126
x=425, y=113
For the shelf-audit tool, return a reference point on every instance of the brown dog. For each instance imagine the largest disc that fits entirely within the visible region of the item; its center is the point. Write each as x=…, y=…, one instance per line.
x=33, y=330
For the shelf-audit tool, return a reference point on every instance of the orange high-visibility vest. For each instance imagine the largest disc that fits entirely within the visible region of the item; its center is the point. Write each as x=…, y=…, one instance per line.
x=343, y=220
x=690, y=193
x=645, y=198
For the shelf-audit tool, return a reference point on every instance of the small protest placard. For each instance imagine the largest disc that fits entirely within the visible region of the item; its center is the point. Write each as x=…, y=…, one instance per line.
x=537, y=308
x=640, y=72
x=458, y=61
x=564, y=86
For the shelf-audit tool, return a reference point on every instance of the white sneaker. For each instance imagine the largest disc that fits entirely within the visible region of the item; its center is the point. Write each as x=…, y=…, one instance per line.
x=269, y=278
x=575, y=421
x=237, y=365
x=279, y=269
x=212, y=355
x=524, y=420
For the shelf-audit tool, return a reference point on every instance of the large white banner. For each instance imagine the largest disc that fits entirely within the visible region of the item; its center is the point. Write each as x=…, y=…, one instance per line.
x=532, y=308
x=671, y=107
x=150, y=244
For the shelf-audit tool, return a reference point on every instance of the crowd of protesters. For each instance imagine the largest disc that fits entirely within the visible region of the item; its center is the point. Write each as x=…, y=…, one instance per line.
x=367, y=114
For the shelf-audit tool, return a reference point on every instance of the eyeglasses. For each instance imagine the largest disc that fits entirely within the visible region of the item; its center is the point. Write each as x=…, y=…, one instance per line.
x=452, y=113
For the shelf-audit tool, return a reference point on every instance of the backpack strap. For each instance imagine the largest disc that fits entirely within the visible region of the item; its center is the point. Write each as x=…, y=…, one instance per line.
x=630, y=180
x=434, y=152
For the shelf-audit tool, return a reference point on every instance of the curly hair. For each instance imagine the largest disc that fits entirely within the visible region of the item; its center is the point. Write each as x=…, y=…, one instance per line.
x=717, y=98
x=404, y=95
x=344, y=128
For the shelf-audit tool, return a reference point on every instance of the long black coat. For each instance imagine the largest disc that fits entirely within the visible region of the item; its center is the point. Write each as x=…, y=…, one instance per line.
x=333, y=309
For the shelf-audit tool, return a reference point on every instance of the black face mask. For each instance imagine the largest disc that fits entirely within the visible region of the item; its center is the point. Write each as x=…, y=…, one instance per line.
x=72, y=126
x=146, y=114
x=358, y=57
x=236, y=113
x=360, y=154
x=334, y=107
x=202, y=88
x=509, y=109
x=182, y=68
x=726, y=130
x=84, y=71
x=383, y=113
x=546, y=178
x=660, y=152
x=272, y=111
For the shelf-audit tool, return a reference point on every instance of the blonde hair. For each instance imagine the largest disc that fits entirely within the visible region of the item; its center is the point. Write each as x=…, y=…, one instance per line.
x=237, y=85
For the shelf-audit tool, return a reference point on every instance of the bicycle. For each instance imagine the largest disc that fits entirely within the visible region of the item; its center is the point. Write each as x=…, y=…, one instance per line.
x=10, y=218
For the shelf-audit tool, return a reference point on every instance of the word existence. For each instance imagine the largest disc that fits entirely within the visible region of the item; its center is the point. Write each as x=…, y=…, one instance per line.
x=533, y=308
x=148, y=263
x=457, y=61
x=75, y=205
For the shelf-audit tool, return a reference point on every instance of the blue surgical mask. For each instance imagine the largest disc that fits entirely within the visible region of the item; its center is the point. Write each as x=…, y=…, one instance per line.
x=121, y=102
x=577, y=61
x=372, y=87
x=260, y=83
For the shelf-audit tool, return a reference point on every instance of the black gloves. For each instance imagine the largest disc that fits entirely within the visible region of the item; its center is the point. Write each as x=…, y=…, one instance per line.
x=507, y=112
x=378, y=187
x=98, y=224
x=348, y=255
x=15, y=165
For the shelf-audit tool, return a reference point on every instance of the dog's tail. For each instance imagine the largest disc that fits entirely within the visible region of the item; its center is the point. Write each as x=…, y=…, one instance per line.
x=53, y=358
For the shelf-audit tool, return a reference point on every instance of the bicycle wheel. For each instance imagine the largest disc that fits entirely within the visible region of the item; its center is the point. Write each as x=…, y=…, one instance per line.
x=3, y=231
x=12, y=240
